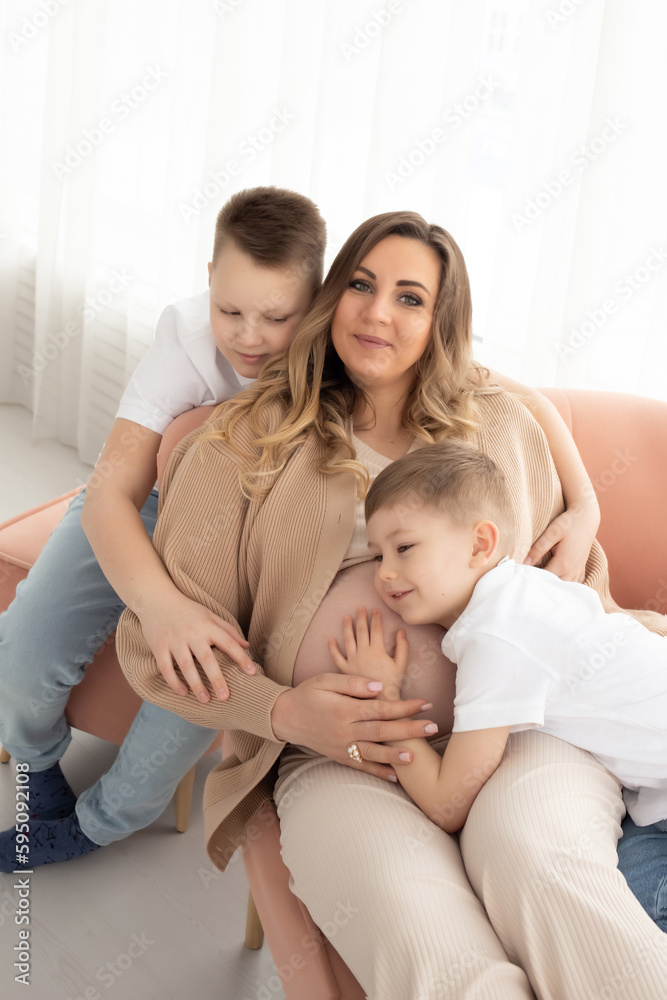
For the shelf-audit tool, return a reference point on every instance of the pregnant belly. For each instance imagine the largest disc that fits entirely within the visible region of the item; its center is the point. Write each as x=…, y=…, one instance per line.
x=430, y=674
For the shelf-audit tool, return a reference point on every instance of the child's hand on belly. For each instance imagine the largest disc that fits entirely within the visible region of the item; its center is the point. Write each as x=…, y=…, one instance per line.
x=367, y=656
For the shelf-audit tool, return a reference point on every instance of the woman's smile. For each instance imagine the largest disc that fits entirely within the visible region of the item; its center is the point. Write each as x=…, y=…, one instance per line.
x=372, y=343
x=382, y=324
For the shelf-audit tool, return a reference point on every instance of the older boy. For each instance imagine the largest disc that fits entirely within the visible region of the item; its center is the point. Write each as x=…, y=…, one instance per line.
x=266, y=267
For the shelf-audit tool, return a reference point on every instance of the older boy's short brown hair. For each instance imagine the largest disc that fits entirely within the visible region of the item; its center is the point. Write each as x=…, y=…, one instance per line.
x=452, y=477
x=277, y=228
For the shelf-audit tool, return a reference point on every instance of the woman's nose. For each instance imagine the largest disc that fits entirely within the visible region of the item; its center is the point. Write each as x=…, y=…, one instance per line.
x=378, y=310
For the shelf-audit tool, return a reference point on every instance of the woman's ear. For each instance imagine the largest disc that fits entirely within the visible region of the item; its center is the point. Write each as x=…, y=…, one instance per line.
x=485, y=540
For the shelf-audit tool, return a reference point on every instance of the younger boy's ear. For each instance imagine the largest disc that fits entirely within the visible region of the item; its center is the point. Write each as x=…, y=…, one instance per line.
x=485, y=538
x=210, y=272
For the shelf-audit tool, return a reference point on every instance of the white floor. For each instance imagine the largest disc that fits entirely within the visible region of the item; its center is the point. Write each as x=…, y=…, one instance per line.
x=157, y=886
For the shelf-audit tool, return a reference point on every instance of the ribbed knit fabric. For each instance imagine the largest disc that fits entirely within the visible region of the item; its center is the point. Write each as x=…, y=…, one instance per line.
x=266, y=566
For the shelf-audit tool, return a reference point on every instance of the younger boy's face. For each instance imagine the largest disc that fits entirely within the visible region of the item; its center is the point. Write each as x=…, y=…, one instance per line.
x=254, y=310
x=423, y=563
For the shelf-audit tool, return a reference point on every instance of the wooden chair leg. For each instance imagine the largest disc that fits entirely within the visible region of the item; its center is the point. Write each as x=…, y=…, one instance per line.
x=182, y=800
x=254, y=933
x=4, y=756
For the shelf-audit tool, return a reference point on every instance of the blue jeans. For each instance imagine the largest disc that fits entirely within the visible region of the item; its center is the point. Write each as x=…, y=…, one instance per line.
x=62, y=613
x=642, y=857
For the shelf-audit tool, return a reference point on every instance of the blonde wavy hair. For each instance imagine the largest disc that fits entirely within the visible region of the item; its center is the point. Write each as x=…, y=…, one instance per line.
x=306, y=390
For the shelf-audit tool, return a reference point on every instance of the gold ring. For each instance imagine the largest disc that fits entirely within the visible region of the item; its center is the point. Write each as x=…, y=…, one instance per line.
x=354, y=752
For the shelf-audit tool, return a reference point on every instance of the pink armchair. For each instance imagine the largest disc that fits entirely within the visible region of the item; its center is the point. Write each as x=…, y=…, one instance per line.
x=623, y=442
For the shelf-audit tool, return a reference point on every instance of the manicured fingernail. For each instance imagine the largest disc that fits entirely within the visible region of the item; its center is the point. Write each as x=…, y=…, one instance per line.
x=221, y=694
x=431, y=728
x=203, y=696
x=375, y=686
x=392, y=777
x=252, y=669
x=528, y=561
x=425, y=708
x=404, y=756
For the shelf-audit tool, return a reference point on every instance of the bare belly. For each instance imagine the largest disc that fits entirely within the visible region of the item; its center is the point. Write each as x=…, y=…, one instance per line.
x=430, y=674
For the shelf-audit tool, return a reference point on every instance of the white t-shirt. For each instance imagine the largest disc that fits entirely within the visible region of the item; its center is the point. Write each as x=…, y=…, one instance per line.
x=533, y=651
x=182, y=369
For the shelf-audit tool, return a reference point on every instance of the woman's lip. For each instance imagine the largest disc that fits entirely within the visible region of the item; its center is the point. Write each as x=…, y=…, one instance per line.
x=251, y=357
x=398, y=594
x=372, y=342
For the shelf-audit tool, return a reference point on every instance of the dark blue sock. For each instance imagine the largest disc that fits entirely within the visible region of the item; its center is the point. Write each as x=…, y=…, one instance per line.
x=49, y=840
x=50, y=795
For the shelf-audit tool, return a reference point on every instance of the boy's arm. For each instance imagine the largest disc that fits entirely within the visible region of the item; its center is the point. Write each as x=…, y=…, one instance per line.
x=175, y=627
x=570, y=535
x=445, y=787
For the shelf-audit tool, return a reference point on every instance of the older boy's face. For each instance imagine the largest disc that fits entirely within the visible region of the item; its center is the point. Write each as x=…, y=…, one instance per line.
x=423, y=559
x=254, y=310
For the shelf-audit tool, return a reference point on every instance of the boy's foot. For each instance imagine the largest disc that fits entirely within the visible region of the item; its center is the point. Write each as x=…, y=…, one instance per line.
x=50, y=796
x=49, y=840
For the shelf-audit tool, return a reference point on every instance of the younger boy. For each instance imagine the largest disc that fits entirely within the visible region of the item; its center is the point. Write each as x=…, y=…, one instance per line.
x=532, y=651
x=265, y=269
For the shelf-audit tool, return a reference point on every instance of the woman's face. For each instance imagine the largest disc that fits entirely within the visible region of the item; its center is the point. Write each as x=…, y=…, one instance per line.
x=382, y=323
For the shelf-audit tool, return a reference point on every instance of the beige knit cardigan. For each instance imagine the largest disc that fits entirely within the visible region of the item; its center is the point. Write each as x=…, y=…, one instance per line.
x=264, y=566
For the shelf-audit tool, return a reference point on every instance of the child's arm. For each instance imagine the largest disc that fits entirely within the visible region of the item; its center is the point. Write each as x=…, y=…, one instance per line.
x=443, y=787
x=175, y=627
x=570, y=535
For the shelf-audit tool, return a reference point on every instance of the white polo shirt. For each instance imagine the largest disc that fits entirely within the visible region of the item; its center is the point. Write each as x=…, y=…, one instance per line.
x=533, y=651
x=182, y=369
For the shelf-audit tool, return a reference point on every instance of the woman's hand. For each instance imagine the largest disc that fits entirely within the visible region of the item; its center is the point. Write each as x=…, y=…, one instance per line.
x=329, y=711
x=569, y=537
x=182, y=630
x=366, y=654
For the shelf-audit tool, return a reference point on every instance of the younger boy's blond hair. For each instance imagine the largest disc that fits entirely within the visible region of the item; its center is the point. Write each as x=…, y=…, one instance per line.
x=451, y=477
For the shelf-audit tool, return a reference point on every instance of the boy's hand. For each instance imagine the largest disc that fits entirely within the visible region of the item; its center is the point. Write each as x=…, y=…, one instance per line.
x=366, y=654
x=180, y=631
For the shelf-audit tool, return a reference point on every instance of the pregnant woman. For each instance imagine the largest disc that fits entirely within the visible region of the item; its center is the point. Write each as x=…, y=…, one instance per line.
x=263, y=523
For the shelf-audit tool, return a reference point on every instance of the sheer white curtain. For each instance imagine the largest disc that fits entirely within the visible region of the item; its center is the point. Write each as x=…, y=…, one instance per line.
x=533, y=131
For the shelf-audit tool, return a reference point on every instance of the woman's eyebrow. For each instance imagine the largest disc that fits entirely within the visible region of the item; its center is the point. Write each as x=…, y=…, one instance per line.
x=400, y=284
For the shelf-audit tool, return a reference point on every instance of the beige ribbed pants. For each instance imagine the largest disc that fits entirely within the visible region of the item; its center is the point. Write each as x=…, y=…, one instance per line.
x=390, y=891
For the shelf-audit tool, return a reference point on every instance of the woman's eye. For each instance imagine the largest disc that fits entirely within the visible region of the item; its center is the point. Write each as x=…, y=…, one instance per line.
x=403, y=548
x=360, y=285
x=377, y=558
x=226, y=312
x=411, y=299
x=277, y=319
